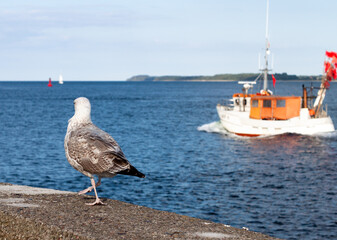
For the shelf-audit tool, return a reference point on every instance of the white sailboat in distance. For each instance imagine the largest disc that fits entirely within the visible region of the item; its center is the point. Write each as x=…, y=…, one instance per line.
x=60, y=79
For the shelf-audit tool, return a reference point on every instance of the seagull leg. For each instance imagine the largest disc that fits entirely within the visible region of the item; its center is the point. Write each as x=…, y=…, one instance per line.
x=97, y=201
x=89, y=189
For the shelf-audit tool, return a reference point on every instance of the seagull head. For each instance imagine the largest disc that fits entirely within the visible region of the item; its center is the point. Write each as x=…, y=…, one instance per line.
x=82, y=109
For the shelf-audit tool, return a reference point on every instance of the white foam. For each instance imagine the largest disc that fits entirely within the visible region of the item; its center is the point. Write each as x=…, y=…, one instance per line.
x=213, y=127
x=216, y=127
x=327, y=135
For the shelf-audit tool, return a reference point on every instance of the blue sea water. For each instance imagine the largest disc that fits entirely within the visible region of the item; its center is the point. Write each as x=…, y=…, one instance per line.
x=284, y=186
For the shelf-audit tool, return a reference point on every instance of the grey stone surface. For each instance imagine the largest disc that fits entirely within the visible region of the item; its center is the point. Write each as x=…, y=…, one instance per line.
x=19, y=189
x=35, y=213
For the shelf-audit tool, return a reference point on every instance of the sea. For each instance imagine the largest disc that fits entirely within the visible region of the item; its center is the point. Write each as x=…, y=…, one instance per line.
x=283, y=186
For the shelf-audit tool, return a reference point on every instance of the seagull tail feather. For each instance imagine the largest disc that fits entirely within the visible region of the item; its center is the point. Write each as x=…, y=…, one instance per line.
x=132, y=172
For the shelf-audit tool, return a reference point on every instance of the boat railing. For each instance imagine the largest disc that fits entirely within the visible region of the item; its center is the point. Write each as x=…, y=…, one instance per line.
x=228, y=104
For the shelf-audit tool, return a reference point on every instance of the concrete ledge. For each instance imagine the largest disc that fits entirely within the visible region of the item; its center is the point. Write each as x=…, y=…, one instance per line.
x=37, y=213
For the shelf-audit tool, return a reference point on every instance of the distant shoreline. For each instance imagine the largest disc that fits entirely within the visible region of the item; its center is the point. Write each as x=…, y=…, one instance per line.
x=222, y=78
x=279, y=80
x=194, y=80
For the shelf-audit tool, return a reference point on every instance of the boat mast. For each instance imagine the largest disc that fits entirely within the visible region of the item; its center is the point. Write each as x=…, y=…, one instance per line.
x=265, y=70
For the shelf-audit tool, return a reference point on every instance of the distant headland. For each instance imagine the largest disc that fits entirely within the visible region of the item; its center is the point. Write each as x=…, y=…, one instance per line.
x=221, y=77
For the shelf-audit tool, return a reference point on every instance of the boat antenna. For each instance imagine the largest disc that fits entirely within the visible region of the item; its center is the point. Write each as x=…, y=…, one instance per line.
x=265, y=70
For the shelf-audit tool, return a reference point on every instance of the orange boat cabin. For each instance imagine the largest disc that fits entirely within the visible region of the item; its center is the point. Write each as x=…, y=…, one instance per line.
x=275, y=107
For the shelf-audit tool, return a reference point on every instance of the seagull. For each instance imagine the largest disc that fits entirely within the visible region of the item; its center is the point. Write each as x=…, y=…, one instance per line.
x=92, y=151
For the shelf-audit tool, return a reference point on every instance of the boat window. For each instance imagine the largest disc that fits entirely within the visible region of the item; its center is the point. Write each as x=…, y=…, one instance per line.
x=255, y=103
x=266, y=103
x=280, y=103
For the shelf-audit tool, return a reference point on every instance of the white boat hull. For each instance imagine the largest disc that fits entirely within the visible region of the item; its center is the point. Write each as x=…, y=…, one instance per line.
x=240, y=123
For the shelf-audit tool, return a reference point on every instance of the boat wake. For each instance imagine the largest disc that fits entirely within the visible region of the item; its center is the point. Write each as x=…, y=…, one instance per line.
x=329, y=135
x=214, y=127
x=217, y=127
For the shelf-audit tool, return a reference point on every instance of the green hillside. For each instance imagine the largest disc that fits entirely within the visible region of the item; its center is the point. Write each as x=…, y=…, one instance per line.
x=222, y=77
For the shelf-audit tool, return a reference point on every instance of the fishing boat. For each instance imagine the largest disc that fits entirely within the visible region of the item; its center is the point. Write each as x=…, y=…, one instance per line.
x=262, y=113
x=60, y=79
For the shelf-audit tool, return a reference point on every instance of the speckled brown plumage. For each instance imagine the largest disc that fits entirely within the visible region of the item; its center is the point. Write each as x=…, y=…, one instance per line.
x=92, y=151
x=96, y=151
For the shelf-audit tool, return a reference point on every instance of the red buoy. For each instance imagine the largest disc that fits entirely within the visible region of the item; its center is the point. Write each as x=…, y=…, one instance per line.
x=49, y=84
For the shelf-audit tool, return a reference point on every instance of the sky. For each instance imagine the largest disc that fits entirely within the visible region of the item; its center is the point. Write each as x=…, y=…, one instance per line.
x=117, y=39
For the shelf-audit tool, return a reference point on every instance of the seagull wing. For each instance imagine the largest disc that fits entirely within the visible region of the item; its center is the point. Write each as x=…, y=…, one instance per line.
x=96, y=151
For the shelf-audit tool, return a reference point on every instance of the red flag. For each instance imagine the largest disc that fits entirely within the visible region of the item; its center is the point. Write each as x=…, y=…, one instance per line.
x=334, y=59
x=274, y=80
x=334, y=73
x=330, y=54
x=331, y=73
x=327, y=66
x=326, y=84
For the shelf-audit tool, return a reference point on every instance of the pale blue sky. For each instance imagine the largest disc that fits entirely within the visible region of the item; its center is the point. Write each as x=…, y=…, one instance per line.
x=116, y=39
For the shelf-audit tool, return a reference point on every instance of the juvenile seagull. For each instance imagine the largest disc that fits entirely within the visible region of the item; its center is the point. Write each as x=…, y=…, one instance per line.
x=92, y=151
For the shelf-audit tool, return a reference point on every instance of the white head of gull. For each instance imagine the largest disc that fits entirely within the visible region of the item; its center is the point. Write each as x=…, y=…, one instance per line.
x=92, y=151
